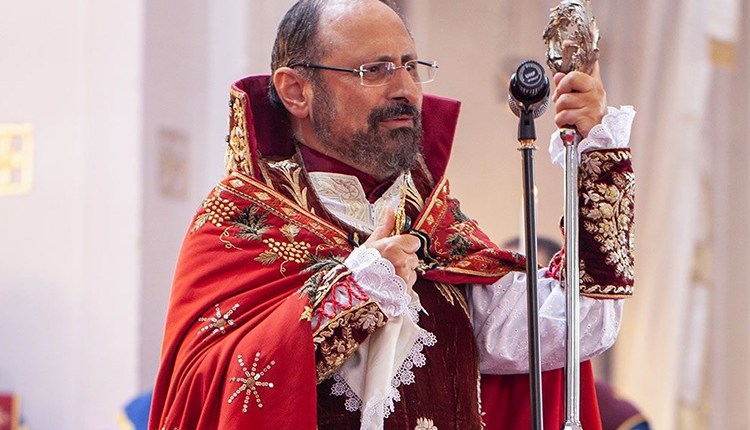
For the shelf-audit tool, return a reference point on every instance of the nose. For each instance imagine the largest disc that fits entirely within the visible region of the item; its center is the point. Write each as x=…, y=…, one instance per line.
x=403, y=87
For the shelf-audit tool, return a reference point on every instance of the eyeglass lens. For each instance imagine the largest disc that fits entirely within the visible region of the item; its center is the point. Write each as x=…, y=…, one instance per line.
x=381, y=72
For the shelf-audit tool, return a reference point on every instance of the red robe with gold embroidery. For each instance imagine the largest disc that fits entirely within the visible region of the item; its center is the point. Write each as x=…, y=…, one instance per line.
x=240, y=350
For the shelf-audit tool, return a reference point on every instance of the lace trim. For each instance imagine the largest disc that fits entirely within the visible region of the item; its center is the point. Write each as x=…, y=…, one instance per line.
x=404, y=376
x=613, y=132
x=377, y=278
x=415, y=307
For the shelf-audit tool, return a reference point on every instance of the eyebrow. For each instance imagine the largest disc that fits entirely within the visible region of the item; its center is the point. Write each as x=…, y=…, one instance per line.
x=404, y=58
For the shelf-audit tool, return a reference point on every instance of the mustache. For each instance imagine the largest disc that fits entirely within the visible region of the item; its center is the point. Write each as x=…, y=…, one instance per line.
x=399, y=109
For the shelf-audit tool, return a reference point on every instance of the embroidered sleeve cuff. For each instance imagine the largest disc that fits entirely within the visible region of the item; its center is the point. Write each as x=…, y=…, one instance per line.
x=607, y=204
x=377, y=277
x=612, y=133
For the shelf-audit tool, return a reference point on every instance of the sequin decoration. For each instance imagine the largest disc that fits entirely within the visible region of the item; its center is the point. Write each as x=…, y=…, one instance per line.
x=250, y=383
x=218, y=323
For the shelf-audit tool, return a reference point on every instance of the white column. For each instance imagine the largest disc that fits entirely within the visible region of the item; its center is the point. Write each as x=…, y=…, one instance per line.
x=107, y=310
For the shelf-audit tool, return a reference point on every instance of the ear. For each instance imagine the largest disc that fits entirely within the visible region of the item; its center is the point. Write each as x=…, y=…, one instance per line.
x=293, y=90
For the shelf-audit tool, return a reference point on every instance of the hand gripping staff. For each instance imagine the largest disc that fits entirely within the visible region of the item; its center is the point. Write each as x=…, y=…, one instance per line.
x=572, y=39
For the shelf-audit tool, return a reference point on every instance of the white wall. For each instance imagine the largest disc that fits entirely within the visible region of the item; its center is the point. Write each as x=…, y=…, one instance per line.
x=175, y=104
x=478, y=46
x=69, y=248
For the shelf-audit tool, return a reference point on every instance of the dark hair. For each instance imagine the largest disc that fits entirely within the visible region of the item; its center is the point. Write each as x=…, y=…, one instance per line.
x=296, y=41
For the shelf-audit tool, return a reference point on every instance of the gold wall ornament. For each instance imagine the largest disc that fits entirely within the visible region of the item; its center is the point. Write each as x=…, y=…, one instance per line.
x=16, y=158
x=723, y=53
x=173, y=168
x=572, y=37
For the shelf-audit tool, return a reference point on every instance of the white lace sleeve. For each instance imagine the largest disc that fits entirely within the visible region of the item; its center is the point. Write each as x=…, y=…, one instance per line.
x=613, y=132
x=377, y=277
x=501, y=328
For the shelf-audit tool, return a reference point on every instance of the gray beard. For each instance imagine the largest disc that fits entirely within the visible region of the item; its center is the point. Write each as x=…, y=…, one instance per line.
x=382, y=153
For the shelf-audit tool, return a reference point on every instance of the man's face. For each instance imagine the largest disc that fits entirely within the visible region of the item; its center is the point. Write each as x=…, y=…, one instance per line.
x=374, y=129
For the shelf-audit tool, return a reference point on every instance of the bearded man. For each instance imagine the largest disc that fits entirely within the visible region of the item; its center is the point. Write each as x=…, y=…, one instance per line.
x=330, y=280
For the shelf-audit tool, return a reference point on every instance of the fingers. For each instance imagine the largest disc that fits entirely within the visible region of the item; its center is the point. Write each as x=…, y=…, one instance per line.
x=580, y=100
x=400, y=250
x=385, y=228
x=573, y=82
x=556, y=80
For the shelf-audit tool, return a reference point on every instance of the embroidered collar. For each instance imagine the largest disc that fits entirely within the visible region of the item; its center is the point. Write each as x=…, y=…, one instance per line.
x=344, y=197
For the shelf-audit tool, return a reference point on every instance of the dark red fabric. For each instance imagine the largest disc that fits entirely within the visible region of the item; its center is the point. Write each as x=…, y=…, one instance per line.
x=506, y=400
x=592, y=242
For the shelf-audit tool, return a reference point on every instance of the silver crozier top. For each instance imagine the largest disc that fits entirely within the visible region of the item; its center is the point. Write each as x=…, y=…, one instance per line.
x=572, y=37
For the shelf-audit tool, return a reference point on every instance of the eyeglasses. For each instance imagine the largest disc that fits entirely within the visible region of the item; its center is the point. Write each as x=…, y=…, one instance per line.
x=381, y=72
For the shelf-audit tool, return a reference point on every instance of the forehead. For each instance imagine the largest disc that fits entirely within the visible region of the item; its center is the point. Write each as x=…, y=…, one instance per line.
x=364, y=31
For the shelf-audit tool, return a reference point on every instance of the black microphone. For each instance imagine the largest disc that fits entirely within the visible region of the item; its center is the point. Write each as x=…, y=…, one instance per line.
x=529, y=90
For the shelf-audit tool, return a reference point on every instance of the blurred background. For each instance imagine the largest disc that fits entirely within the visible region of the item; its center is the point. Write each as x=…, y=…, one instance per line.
x=112, y=125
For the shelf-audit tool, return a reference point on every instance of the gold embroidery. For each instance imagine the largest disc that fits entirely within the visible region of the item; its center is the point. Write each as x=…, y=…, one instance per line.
x=276, y=204
x=344, y=197
x=306, y=314
x=226, y=242
x=590, y=288
x=400, y=221
x=263, y=196
x=607, y=210
x=452, y=295
x=238, y=148
x=251, y=382
x=291, y=251
x=215, y=210
x=425, y=424
x=336, y=341
x=412, y=193
x=606, y=291
x=251, y=224
x=291, y=172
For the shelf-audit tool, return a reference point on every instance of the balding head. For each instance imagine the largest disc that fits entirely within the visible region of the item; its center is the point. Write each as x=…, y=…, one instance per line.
x=297, y=38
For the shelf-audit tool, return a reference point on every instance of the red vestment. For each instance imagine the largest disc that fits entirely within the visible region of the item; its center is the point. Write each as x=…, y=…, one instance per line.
x=239, y=349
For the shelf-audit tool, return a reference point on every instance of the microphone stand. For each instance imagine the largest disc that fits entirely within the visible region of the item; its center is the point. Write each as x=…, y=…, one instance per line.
x=526, y=139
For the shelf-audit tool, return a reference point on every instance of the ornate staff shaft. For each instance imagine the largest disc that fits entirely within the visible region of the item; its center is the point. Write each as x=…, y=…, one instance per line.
x=572, y=44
